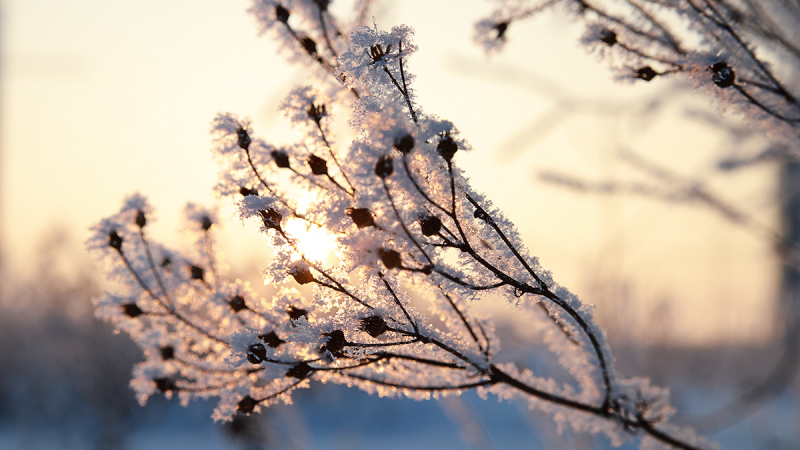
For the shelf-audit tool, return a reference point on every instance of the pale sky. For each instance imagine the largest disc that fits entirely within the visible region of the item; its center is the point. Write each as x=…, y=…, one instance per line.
x=103, y=98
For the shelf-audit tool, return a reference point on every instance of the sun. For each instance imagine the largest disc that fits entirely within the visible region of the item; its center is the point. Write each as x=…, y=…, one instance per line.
x=312, y=241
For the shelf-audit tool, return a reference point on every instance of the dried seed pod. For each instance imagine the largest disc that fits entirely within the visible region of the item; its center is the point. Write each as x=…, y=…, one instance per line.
x=300, y=371
x=646, y=73
x=481, y=215
x=447, y=147
x=335, y=342
x=237, y=303
x=501, y=28
x=390, y=258
x=309, y=45
x=723, y=75
x=373, y=325
x=272, y=219
x=244, y=138
x=404, y=143
x=206, y=223
x=318, y=165
x=317, y=112
x=431, y=225
x=256, y=353
x=608, y=37
x=361, y=217
x=281, y=159
x=167, y=353
x=165, y=385
x=247, y=191
x=131, y=310
x=141, y=220
x=281, y=14
x=296, y=313
x=301, y=274
x=197, y=272
x=115, y=241
x=166, y=262
x=247, y=405
x=271, y=339
x=384, y=167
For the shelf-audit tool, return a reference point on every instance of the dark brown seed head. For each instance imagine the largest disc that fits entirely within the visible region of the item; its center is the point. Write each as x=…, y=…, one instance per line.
x=335, y=342
x=318, y=165
x=722, y=75
x=197, y=272
x=361, y=217
x=115, y=241
x=447, y=147
x=237, y=303
x=281, y=159
x=141, y=220
x=322, y=4
x=501, y=28
x=165, y=385
x=247, y=191
x=404, y=143
x=299, y=371
x=271, y=339
x=247, y=405
x=272, y=219
x=167, y=353
x=206, y=223
x=316, y=112
x=256, y=353
x=165, y=262
x=608, y=37
x=384, y=167
x=281, y=14
x=309, y=45
x=244, y=138
x=373, y=325
x=646, y=73
x=431, y=225
x=296, y=313
x=301, y=274
x=131, y=310
x=390, y=258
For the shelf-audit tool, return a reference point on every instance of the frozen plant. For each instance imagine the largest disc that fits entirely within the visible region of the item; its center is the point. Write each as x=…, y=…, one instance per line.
x=745, y=54
x=399, y=215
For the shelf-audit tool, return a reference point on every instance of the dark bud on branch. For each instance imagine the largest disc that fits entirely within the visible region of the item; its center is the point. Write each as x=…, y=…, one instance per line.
x=165, y=262
x=206, y=223
x=480, y=214
x=165, y=385
x=447, y=147
x=316, y=113
x=361, y=217
x=404, y=143
x=281, y=159
x=247, y=191
x=322, y=4
x=301, y=274
x=141, y=221
x=384, y=167
x=247, y=405
x=237, y=303
x=501, y=29
x=431, y=225
x=299, y=371
x=256, y=354
x=281, y=14
x=131, y=310
x=197, y=272
x=335, y=342
x=390, y=258
x=309, y=45
x=318, y=165
x=167, y=353
x=115, y=241
x=722, y=75
x=272, y=219
x=271, y=339
x=296, y=313
x=646, y=73
x=608, y=37
x=373, y=325
x=244, y=138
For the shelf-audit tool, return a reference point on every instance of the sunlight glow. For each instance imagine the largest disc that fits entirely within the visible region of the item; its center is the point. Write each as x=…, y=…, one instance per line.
x=314, y=242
